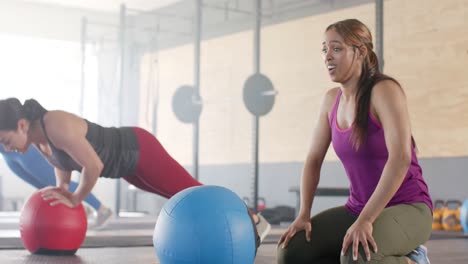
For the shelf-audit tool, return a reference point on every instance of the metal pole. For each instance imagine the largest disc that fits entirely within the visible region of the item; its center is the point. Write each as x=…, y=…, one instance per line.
x=379, y=29
x=84, y=22
x=256, y=119
x=256, y=124
x=196, y=126
x=257, y=39
x=156, y=88
x=121, y=91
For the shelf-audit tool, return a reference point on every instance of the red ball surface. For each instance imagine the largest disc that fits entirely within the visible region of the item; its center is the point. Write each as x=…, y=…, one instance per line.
x=52, y=230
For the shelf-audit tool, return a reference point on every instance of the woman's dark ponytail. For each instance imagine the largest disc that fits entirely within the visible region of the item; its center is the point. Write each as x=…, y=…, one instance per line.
x=11, y=111
x=32, y=110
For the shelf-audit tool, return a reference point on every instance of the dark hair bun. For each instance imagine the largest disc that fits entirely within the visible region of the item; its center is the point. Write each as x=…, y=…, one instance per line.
x=32, y=110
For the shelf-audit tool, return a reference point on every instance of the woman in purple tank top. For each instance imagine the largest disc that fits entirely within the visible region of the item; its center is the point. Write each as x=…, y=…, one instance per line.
x=388, y=215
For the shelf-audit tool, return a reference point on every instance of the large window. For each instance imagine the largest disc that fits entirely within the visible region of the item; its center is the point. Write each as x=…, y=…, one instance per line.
x=48, y=71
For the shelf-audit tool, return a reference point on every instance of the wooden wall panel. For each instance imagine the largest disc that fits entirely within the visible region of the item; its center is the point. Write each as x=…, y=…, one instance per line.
x=426, y=49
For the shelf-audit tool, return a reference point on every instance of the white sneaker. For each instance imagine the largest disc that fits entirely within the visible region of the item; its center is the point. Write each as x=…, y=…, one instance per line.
x=89, y=211
x=263, y=227
x=102, y=217
x=419, y=255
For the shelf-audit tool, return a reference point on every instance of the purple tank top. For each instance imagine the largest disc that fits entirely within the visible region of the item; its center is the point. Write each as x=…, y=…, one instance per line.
x=364, y=167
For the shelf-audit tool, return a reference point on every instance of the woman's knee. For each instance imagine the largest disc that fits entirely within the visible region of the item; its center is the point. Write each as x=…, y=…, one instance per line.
x=347, y=258
x=282, y=255
x=288, y=255
x=298, y=251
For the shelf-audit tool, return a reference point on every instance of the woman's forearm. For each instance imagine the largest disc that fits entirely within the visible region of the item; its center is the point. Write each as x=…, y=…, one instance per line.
x=62, y=178
x=309, y=182
x=88, y=179
x=393, y=175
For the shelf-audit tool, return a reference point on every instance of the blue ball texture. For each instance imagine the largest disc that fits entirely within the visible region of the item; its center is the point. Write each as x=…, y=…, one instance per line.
x=204, y=225
x=464, y=216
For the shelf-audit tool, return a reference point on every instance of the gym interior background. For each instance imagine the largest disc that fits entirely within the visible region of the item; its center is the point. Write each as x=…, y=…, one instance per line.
x=121, y=64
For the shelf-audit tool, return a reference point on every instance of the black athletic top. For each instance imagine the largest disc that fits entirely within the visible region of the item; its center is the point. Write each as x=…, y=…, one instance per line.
x=116, y=147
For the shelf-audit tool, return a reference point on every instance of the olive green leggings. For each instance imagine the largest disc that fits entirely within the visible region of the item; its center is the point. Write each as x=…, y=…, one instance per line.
x=397, y=231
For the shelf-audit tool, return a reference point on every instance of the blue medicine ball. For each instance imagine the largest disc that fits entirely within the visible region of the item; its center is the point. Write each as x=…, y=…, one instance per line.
x=204, y=225
x=464, y=216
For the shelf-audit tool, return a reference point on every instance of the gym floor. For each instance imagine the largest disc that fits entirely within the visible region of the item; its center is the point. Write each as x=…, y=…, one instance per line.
x=441, y=251
x=129, y=240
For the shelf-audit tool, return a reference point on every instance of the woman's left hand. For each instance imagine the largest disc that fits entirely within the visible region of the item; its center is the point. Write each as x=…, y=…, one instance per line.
x=58, y=195
x=359, y=233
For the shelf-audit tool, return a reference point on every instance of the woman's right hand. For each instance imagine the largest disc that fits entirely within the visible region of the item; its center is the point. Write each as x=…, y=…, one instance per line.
x=57, y=195
x=301, y=223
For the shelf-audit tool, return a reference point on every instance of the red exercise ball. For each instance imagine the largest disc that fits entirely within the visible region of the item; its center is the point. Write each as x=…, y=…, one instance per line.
x=52, y=230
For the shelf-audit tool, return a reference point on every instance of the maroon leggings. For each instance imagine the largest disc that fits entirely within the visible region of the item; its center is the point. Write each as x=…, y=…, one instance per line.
x=157, y=171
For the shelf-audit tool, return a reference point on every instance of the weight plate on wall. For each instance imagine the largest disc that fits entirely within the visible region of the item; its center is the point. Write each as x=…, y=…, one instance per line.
x=259, y=94
x=185, y=104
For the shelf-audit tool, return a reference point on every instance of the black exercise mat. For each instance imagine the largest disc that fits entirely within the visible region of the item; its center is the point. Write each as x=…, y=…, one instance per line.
x=91, y=242
x=436, y=235
x=439, y=234
x=96, y=241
